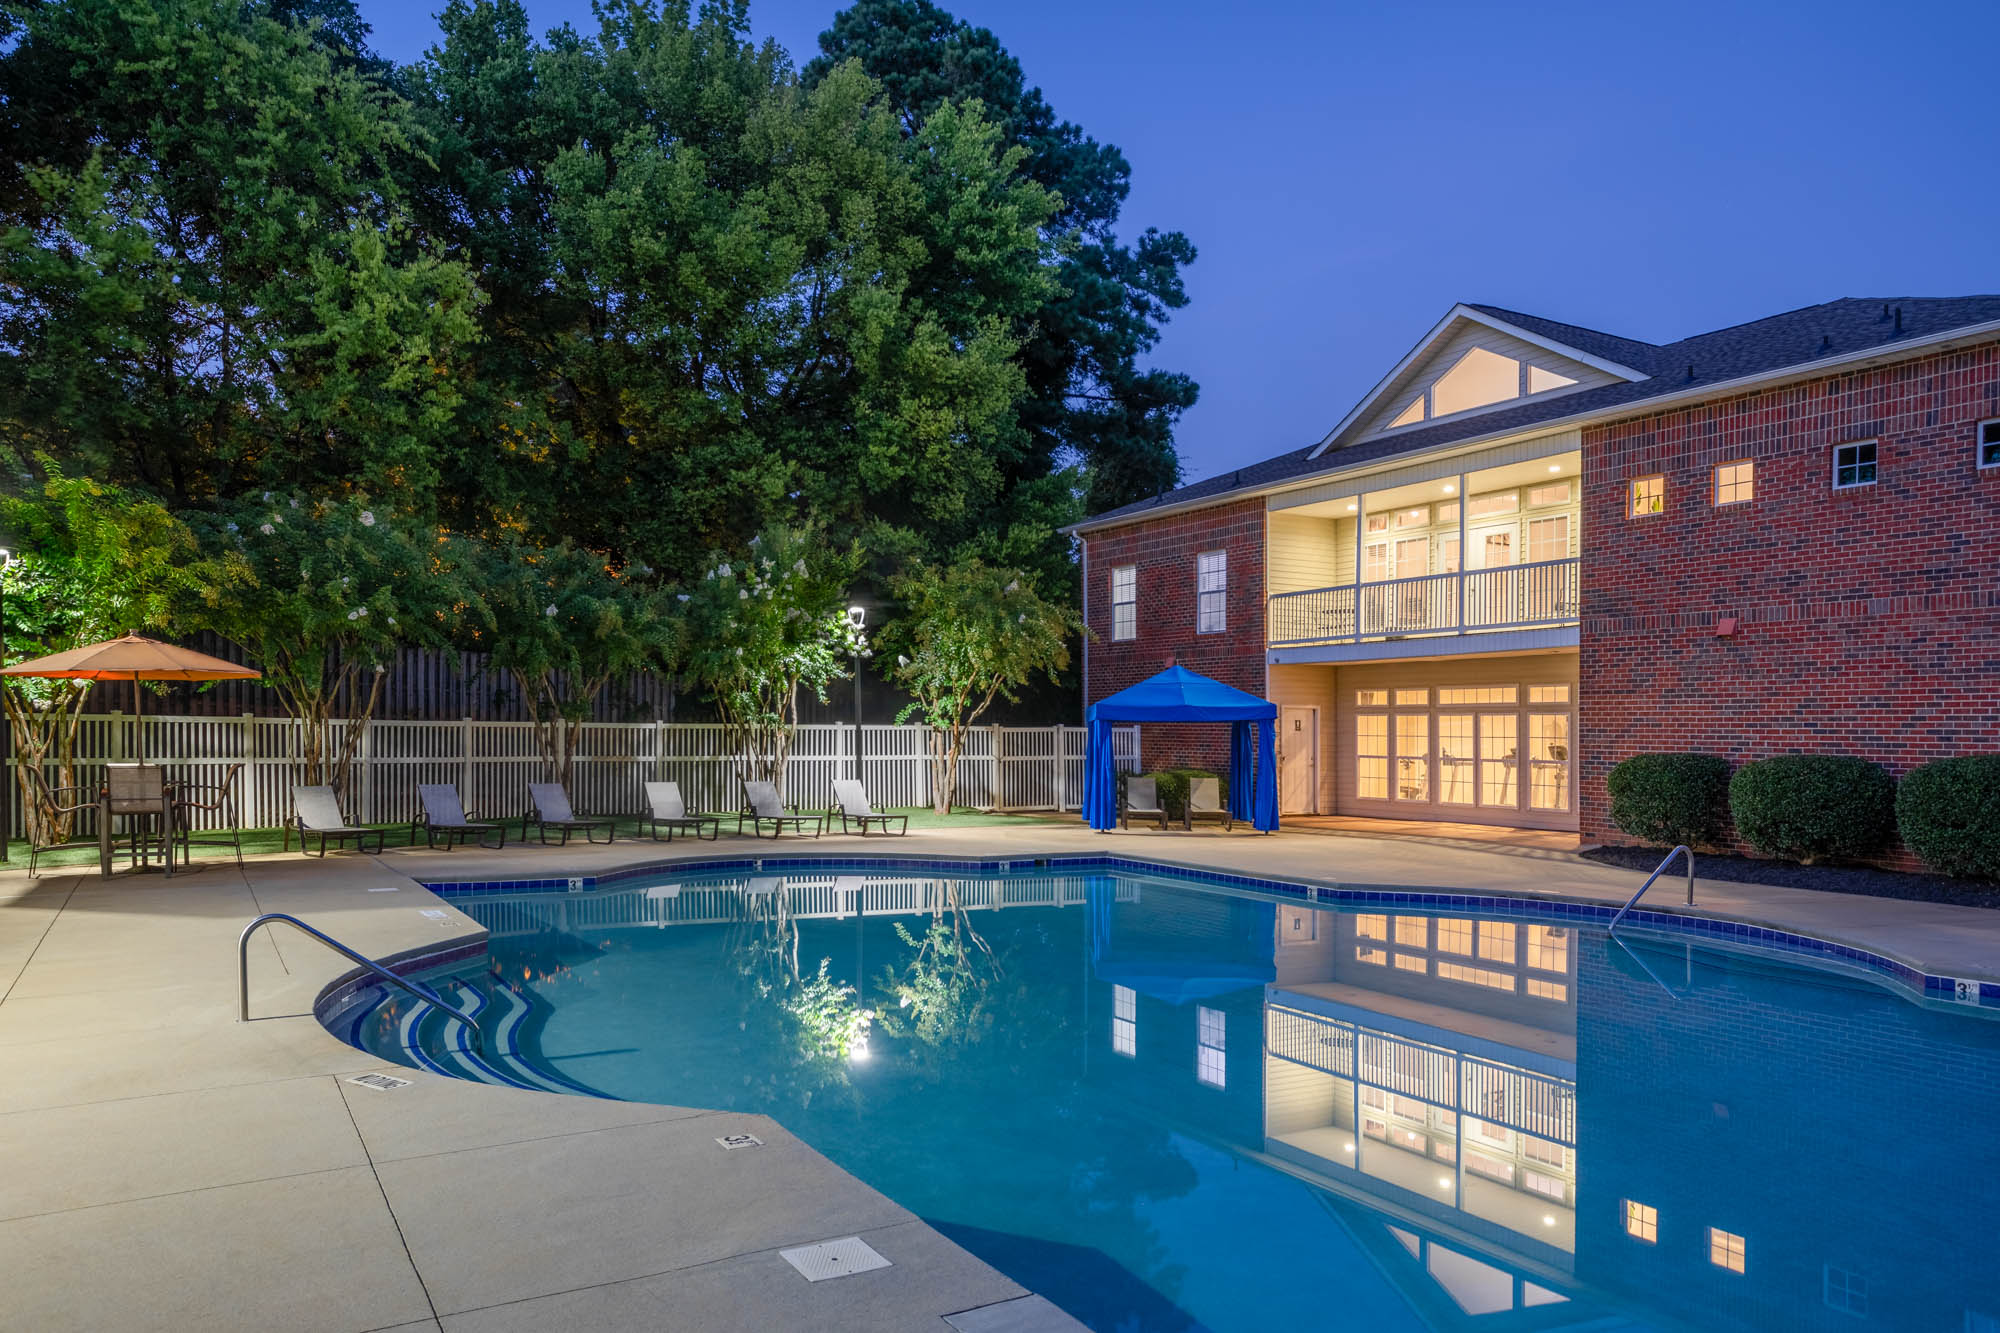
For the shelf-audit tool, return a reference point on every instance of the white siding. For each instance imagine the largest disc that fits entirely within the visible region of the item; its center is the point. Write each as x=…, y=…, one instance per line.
x=1305, y=553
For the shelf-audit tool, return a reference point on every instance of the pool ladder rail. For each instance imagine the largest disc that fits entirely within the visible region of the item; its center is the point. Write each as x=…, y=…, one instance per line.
x=1658, y=871
x=415, y=988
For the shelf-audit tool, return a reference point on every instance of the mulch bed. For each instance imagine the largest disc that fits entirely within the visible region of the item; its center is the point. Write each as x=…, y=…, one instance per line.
x=1863, y=880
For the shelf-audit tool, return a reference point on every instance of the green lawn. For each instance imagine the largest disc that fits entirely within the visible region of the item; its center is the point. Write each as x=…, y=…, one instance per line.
x=271, y=840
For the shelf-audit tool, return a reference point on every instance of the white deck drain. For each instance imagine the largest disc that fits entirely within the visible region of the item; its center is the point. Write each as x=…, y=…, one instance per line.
x=387, y=888
x=833, y=1258
x=380, y=1082
x=435, y=913
x=731, y=1142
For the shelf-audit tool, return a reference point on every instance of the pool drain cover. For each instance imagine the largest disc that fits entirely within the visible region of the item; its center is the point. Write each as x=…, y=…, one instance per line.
x=380, y=1082
x=833, y=1258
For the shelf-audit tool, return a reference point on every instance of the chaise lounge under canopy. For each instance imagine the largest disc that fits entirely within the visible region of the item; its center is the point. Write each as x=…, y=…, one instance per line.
x=1180, y=695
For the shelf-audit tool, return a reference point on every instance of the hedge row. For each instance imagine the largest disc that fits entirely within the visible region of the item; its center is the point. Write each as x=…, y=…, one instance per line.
x=1808, y=808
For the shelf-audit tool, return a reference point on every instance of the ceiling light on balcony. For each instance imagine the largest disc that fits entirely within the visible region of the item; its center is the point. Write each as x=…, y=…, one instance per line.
x=1555, y=467
x=1450, y=489
x=1350, y=509
x=1444, y=1182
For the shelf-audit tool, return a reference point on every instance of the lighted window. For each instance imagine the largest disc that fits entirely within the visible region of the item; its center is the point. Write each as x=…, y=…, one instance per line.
x=1548, y=694
x=1499, y=749
x=1124, y=1020
x=1853, y=465
x=1649, y=496
x=1541, y=381
x=1549, y=1187
x=1454, y=935
x=1378, y=522
x=1412, y=963
x=1413, y=698
x=1496, y=502
x=1548, y=761
x=1412, y=414
x=1548, y=948
x=1371, y=756
x=1476, y=976
x=1642, y=1222
x=1375, y=566
x=1455, y=758
x=1556, y=493
x=1125, y=602
x=1548, y=538
x=1448, y=513
x=1545, y=1152
x=1211, y=592
x=1547, y=990
x=1211, y=1033
x=1496, y=941
x=1476, y=379
x=1413, y=755
x=1725, y=1249
x=1371, y=698
x=1371, y=927
x=1378, y=957
x=1735, y=482
x=1989, y=444
x=1845, y=1290
x=1420, y=517
x=1413, y=932
x=1490, y=1167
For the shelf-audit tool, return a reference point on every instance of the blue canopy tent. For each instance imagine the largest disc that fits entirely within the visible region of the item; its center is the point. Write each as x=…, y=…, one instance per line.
x=1180, y=695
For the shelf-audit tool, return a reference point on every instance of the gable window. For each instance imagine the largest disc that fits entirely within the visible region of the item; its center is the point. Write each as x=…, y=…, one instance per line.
x=1125, y=602
x=1854, y=465
x=1735, y=482
x=1479, y=378
x=1989, y=444
x=1211, y=615
x=1649, y=496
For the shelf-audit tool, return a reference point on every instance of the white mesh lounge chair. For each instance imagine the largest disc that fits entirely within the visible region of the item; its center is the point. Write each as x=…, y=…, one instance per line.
x=761, y=806
x=666, y=810
x=1142, y=800
x=548, y=808
x=316, y=812
x=850, y=802
x=444, y=817
x=1205, y=802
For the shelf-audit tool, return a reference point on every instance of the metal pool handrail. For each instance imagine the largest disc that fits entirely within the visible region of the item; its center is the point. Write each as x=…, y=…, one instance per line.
x=1658, y=870
x=416, y=988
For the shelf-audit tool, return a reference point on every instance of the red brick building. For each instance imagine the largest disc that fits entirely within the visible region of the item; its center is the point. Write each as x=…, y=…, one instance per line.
x=1535, y=549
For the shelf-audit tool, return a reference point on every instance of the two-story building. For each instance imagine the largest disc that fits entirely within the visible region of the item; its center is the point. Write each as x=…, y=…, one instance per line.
x=1534, y=549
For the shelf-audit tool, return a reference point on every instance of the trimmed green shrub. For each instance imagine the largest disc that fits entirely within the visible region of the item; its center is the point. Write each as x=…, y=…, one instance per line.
x=1173, y=787
x=1948, y=811
x=1668, y=799
x=1814, y=807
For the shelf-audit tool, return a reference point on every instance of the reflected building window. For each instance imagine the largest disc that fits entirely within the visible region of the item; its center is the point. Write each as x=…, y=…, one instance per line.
x=1211, y=1036
x=1642, y=1222
x=1725, y=1249
x=1124, y=1020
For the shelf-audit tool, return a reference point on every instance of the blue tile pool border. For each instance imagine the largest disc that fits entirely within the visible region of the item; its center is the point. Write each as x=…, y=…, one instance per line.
x=1716, y=930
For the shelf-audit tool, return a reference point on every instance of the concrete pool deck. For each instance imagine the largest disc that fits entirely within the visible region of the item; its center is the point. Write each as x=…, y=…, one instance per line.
x=163, y=1165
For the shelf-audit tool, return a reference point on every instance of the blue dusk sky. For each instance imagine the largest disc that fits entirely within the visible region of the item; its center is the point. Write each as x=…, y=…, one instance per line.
x=1349, y=171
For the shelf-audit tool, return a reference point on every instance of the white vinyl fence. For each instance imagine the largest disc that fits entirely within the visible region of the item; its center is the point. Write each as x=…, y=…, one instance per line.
x=492, y=763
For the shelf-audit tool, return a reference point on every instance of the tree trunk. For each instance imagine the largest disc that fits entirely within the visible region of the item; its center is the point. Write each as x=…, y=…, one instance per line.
x=42, y=737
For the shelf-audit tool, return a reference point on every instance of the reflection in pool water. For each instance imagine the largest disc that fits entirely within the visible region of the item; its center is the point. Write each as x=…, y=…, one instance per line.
x=1173, y=1108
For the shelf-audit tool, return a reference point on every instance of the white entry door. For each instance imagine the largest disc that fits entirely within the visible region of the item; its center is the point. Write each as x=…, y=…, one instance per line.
x=1298, y=760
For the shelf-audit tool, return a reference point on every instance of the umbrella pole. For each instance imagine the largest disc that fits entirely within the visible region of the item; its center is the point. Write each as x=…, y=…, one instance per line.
x=138, y=723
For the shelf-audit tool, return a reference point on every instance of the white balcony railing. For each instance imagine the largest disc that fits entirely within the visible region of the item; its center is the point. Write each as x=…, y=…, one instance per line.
x=1509, y=597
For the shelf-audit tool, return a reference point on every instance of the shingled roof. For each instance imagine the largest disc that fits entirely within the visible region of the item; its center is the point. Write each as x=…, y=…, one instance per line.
x=1794, y=340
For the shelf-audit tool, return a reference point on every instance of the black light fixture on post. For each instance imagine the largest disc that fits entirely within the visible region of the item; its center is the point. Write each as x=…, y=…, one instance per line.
x=857, y=620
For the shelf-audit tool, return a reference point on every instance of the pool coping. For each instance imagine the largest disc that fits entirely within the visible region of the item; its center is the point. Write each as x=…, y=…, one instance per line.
x=1959, y=992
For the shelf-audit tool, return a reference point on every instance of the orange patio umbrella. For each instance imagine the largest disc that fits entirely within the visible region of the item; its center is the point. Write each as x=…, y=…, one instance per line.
x=135, y=658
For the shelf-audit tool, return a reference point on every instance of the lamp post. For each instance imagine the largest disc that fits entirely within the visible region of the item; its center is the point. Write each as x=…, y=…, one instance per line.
x=857, y=619
x=6, y=724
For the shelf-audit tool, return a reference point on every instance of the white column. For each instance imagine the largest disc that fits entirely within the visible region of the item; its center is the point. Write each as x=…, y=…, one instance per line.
x=1464, y=556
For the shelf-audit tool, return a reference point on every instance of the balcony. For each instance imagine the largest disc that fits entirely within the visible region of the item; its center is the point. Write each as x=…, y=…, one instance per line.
x=1509, y=597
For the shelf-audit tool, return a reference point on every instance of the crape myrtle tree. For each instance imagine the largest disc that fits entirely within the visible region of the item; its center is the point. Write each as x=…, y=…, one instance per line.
x=91, y=562
x=209, y=285
x=764, y=625
x=335, y=587
x=969, y=634
x=562, y=623
x=1088, y=398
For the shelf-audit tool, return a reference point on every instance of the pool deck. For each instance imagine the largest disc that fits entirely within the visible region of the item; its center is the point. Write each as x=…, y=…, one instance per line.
x=164, y=1166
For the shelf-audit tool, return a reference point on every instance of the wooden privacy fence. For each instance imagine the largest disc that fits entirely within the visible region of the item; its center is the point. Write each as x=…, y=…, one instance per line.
x=491, y=763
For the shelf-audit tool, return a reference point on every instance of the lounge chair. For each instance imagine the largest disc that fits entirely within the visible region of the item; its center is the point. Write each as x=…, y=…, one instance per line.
x=444, y=817
x=1205, y=802
x=666, y=810
x=1142, y=798
x=316, y=813
x=218, y=798
x=850, y=801
x=761, y=806
x=549, y=809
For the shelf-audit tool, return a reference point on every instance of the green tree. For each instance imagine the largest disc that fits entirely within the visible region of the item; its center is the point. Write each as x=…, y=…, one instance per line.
x=969, y=634
x=335, y=587
x=763, y=626
x=562, y=624
x=1088, y=397
x=208, y=282
x=91, y=562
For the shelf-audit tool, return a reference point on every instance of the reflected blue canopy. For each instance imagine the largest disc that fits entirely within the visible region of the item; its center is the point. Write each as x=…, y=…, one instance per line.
x=1180, y=695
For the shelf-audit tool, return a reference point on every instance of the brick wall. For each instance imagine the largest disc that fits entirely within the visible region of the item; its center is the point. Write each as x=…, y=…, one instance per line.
x=1163, y=552
x=1869, y=619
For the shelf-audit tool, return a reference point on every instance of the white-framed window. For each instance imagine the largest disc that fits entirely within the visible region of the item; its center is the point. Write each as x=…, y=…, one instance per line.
x=1845, y=1290
x=1649, y=496
x=1853, y=465
x=1725, y=1249
x=1555, y=493
x=1642, y=1221
x=1211, y=1046
x=1371, y=756
x=1211, y=596
x=1548, y=538
x=1735, y=483
x=1477, y=379
x=1989, y=443
x=1125, y=602
x=1124, y=1020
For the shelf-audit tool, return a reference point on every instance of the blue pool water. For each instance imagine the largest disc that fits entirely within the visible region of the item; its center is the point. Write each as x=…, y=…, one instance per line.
x=1173, y=1108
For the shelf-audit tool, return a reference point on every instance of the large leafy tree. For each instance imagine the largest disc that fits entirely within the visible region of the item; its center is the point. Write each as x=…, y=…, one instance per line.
x=1089, y=398
x=208, y=282
x=970, y=634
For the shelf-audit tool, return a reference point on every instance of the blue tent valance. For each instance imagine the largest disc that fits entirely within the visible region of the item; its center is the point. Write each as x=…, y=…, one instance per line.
x=1180, y=695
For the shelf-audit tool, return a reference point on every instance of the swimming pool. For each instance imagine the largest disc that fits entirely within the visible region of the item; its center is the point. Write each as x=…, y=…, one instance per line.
x=1168, y=1104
